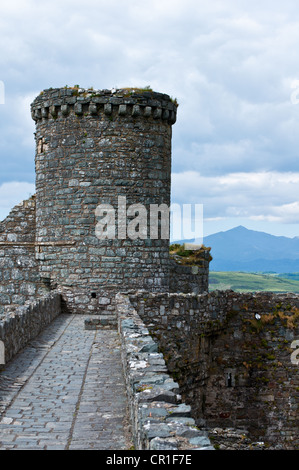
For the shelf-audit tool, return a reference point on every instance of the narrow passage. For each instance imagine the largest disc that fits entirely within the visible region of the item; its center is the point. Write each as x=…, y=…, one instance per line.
x=65, y=390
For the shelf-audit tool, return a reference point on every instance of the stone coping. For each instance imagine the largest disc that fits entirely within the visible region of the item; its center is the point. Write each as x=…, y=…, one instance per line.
x=20, y=324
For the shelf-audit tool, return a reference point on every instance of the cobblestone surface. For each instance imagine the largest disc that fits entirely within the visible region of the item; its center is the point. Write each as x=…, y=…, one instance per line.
x=65, y=391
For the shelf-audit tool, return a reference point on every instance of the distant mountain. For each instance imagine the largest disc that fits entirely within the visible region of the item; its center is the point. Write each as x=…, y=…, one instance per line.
x=240, y=249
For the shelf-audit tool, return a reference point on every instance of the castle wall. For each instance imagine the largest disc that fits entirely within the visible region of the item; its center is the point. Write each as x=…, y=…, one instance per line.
x=160, y=420
x=232, y=357
x=19, y=278
x=189, y=279
x=23, y=323
x=91, y=148
x=230, y=354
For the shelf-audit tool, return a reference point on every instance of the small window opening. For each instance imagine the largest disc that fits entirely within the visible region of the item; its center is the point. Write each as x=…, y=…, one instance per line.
x=93, y=295
x=229, y=380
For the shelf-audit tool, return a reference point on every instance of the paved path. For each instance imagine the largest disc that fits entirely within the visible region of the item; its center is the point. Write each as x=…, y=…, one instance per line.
x=65, y=391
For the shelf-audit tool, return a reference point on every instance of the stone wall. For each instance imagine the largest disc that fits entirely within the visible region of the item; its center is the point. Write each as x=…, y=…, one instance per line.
x=93, y=147
x=189, y=279
x=253, y=384
x=231, y=355
x=159, y=418
x=19, y=278
x=21, y=324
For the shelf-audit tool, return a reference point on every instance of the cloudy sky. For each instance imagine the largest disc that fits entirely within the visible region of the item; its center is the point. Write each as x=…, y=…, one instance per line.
x=233, y=66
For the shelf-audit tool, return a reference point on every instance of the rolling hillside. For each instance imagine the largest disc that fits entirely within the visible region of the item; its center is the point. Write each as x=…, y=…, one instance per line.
x=251, y=282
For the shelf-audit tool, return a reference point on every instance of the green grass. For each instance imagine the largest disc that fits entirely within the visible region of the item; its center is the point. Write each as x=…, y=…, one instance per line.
x=252, y=282
x=291, y=276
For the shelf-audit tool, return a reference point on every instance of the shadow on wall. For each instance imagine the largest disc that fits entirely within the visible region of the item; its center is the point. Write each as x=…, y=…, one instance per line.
x=232, y=356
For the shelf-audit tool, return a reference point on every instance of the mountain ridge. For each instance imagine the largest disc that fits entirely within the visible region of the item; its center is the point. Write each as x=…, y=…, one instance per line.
x=242, y=249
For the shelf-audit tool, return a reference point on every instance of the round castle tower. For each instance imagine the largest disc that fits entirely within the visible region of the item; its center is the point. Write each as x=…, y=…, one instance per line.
x=94, y=148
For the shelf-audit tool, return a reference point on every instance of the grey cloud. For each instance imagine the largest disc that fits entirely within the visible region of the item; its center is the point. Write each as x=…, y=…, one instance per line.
x=271, y=196
x=230, y=65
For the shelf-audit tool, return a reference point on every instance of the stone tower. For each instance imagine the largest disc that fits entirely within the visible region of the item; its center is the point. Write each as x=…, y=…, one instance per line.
x=93, y=148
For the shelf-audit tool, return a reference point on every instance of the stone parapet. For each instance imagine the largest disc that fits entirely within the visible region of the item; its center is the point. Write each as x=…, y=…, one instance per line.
x=188, y=279
x=189, y=269
x=19, y=277
x=159, y=418
x=20, y=325
x=233, y=356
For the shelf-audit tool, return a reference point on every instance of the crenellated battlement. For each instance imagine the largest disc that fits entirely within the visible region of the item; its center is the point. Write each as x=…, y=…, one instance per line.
x=61, y=102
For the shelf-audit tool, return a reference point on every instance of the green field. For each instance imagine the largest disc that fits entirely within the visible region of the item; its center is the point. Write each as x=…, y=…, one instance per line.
x=254, y=282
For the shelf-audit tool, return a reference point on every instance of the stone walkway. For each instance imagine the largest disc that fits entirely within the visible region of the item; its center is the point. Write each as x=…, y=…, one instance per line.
x=65, y=391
